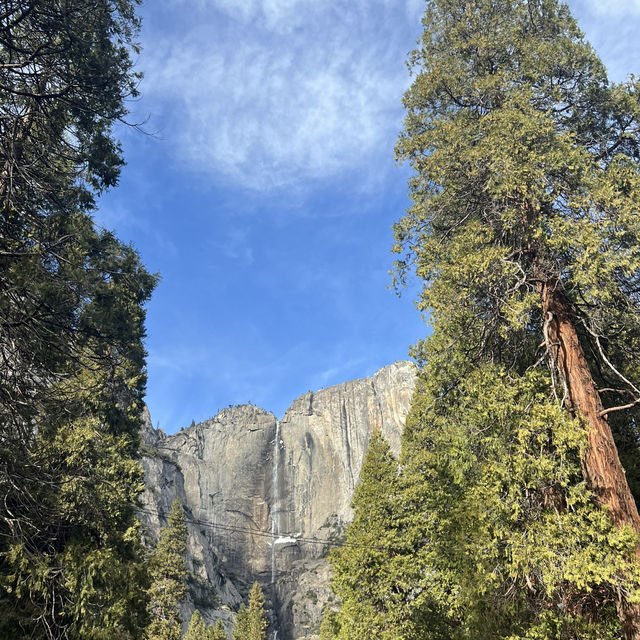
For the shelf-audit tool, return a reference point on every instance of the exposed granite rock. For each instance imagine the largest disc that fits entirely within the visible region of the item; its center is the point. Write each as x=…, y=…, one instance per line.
x=266, y=498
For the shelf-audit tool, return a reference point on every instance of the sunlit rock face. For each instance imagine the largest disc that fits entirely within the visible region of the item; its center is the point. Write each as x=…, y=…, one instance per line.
x=265, y=499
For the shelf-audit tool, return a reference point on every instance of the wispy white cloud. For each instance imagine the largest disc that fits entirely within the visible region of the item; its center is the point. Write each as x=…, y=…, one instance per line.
x=283, y=15
x=177, y=359
x=268, y=93
x=611, y=26
x=613, y=7
x=236, y=244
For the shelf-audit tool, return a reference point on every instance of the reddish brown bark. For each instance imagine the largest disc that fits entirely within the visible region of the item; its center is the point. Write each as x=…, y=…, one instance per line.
x=604, y=472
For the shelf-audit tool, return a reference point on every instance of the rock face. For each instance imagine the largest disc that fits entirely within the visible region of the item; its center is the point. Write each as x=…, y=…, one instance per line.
x=265, y=499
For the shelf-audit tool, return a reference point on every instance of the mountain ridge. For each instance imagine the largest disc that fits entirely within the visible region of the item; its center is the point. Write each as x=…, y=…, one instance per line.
x=266, y=498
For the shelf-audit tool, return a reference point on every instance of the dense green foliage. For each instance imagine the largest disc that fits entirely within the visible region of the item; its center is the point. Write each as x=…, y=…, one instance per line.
x=487, y=530
x=71, y=327
x=526, y=184
x=168, y=570
x=526, y=176
x=251, y=621
x=197, y=629
x=363, y=569
x=526, y=173
x=516, y=547
x=379, y=570
x=330, y=625
x=217, y=632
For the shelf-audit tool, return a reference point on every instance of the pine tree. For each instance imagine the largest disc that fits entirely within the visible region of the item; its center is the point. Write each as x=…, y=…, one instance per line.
x=361, y=570
x=217, y=632
x=251, y=621
x=196, y=629
x=72, y=376
x=168, y=572
x=525, y=231
x=242, y=625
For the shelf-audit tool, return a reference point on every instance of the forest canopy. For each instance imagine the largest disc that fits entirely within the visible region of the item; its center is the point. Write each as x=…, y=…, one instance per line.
x=512, y=515
x=72, y=361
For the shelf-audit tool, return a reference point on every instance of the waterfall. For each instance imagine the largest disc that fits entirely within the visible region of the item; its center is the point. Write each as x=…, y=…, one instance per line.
x=275, y=502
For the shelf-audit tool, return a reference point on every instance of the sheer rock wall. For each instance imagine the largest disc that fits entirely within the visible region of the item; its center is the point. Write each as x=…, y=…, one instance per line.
x=265, y=499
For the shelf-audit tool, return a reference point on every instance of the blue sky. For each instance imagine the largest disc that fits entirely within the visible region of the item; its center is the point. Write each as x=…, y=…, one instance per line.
x=266, y=194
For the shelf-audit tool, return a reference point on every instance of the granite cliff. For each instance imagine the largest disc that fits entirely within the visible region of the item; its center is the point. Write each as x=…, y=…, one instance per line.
x=266, y=499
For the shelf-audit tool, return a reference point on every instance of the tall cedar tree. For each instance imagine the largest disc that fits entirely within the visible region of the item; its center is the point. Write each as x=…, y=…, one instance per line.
x=524, y=228
x=72, y=373
x=501, y=537
x=251, y=621
x=168, y=569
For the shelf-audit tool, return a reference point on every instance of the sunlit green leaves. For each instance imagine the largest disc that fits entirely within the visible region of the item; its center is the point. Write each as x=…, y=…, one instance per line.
x=526, y=171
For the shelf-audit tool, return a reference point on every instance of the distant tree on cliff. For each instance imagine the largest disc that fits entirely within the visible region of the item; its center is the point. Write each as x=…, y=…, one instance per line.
x=168, y=571
x=524, y=228
x=72, y=375
x=217, y=632
x=196, y=629
x=251, y=621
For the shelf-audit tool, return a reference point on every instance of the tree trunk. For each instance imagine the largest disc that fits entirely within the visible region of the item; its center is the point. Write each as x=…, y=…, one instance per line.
x=602, y=467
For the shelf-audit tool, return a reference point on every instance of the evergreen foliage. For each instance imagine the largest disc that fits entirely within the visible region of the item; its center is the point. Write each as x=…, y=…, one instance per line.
x=72, y=373
x=363, y=569
x=524, y=229
x=196, y=629
x=330, y=625
x=168, y=570
x=241, y=627
x=251, y=621
x=217, y=632
x=517, y=546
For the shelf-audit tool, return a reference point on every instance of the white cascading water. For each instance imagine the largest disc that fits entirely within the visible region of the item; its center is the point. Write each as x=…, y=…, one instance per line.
x=275, y=499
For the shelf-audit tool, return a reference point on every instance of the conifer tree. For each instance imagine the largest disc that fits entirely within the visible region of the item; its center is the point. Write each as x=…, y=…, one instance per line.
x=524, y=228
x=72, y=376
x=168, y=572
x=251, y=621
x=217, y=632
x=196, y=629
x=241, y=627
x=361, y=570
x=330, y=625
x=508, y=538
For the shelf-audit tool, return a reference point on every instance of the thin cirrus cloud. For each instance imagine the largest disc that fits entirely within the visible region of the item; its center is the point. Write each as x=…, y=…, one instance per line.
x=284, y=15
x=613, y=7
x=271, y=93
x=611, y=26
